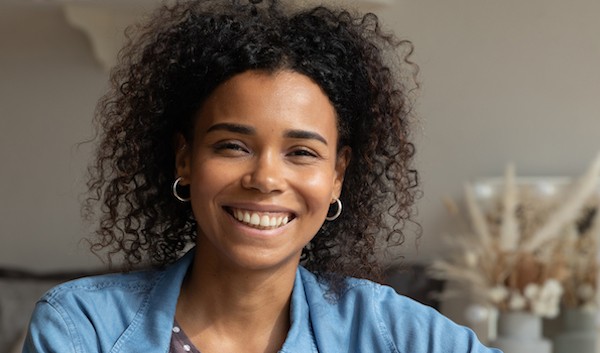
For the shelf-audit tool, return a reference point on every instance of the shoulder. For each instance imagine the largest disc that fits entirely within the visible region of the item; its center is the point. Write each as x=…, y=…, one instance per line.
x=130, y=312
x=394, y=322
x=107, y=287
x=88, y=311
x=362, y=292
x=97, y=298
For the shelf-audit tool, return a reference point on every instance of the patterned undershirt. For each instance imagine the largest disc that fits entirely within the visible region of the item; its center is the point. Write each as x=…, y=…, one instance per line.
x=180, y=343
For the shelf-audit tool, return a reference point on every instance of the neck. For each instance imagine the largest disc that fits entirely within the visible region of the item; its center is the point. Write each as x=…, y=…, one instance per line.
x=236, y=305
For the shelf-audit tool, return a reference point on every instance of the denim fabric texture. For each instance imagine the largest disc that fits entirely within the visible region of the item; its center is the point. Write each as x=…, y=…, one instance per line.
x=134, y=312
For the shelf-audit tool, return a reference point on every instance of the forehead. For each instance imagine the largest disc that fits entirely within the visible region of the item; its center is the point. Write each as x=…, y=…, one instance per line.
x=284, y=99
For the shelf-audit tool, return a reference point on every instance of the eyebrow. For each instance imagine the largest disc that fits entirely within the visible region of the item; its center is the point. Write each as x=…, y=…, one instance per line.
x=304, y=134
x=237, y=128
x=248, y=130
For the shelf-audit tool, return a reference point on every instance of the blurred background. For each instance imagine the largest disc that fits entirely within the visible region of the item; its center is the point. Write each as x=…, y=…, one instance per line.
x=502, y=81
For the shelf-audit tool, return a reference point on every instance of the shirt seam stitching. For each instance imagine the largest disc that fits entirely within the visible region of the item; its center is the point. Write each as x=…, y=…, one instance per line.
x=383, y=329
x=66, y=318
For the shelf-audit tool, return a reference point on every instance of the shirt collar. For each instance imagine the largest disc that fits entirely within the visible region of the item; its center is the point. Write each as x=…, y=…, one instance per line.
x=300, y=337
x=153, y=322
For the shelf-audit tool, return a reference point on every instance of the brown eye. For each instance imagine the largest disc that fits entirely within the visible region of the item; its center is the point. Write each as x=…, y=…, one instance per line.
x=302, y=152
x=231, y=147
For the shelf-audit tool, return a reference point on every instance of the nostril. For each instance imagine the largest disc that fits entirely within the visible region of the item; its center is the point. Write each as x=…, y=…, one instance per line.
x=263, y=182
x=266, y=173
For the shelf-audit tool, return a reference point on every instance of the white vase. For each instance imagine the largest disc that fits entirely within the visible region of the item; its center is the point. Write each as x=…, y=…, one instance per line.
x=520, y=332
x=578, y=333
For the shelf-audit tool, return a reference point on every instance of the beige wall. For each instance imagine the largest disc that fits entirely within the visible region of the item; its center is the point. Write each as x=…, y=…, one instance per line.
x=49, y=83
x=502, y=81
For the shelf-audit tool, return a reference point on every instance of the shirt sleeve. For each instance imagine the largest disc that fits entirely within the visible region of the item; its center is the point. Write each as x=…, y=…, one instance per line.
x=413, y=327
x=50, y=331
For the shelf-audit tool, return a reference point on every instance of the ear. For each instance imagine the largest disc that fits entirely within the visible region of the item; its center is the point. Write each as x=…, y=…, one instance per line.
x=183, y=159
x=343, y=159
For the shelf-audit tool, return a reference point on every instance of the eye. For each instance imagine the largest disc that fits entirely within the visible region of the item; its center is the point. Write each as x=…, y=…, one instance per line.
x=304, y=152
x=232, y=148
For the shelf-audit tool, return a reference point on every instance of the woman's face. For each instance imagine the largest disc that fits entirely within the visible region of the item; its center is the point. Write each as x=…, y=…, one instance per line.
x=262, y=169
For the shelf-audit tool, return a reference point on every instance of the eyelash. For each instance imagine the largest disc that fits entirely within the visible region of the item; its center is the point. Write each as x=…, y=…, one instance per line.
x=228, y=145
x=237, y=147
x=304, y=153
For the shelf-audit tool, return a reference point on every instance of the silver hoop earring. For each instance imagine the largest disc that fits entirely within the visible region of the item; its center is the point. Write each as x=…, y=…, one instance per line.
x=175, y=184
x=337, y=213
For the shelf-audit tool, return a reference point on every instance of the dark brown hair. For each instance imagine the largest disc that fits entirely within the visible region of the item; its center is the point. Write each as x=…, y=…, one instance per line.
x=183, y=53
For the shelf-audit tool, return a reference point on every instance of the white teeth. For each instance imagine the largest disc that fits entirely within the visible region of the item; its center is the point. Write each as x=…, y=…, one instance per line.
x=255, y=219
x=265, y=221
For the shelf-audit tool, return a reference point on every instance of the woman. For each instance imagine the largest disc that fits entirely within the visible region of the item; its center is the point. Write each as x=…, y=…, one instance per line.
x=244, y=129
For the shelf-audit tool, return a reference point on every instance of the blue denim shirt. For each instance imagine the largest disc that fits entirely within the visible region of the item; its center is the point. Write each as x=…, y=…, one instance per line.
x=134, y=313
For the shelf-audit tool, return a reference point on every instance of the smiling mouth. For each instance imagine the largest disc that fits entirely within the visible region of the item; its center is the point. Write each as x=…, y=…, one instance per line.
x=261, y=220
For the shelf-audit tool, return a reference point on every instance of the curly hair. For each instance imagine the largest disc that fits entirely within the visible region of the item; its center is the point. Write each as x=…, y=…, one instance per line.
x=176, y=60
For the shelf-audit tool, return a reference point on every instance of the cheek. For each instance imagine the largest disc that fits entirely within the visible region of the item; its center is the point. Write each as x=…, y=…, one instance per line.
x=317, y=191
x=207, y=181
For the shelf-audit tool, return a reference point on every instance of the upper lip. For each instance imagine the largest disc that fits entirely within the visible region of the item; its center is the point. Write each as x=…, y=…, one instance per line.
x=260, y=207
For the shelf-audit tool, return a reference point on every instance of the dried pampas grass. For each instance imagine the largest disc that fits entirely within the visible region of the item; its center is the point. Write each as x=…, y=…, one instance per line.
x=527, y=249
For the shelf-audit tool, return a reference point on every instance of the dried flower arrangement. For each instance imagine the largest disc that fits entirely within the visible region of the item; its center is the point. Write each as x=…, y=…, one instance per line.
x=527, y=249
x=580, y=249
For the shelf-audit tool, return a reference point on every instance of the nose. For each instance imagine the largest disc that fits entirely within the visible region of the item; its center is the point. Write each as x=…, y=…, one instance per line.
x=265, y=174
